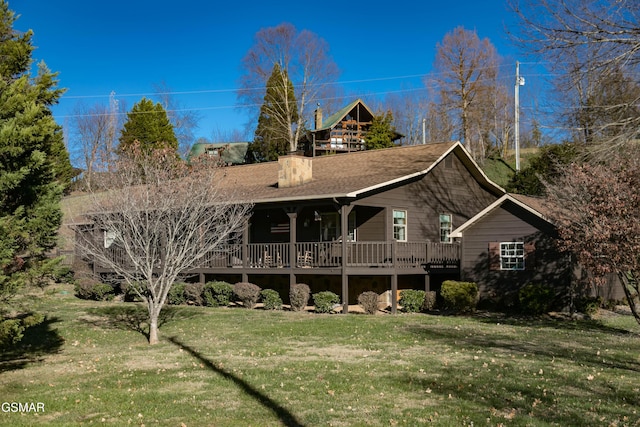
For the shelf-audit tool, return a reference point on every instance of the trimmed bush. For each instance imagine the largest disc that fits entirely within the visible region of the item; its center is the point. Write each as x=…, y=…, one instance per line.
x=459, y=296
x=94, y=291
x=589, y=305
x=325, y=301
x=535, y=298
x=299, y=294
x=429, y=300
x=217, y=294
x=129, y=291
x=248, y=293
x=271, y=299
x=193, y=293
x=176, y=295
x=411, y=300
x=369, y=302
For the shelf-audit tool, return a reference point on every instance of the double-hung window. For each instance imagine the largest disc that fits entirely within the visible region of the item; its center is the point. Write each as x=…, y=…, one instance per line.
x=445, y=228
x=400, y=225
x=512, y=256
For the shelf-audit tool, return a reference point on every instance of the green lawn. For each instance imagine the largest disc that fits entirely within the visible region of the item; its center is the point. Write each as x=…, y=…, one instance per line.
x=90, y=364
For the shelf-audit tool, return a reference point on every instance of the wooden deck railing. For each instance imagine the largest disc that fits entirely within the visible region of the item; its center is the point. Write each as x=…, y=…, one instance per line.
x=328, y=255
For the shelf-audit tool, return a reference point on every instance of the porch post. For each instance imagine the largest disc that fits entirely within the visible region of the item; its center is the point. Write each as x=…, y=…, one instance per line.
x=245, y=249
x=394, y=293
x=293, y=258
x=344, y=229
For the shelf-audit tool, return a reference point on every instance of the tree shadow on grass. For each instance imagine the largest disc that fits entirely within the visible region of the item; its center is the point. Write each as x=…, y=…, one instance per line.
x=38, y=341
x=538, y=344
x=516, y=392
x=286, y=417
x=134, y=317
x=558, y=321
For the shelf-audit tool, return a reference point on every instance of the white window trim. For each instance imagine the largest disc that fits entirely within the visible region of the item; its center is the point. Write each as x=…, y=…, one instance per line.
x=510, y=256
x=449, y=228
x=405, y=226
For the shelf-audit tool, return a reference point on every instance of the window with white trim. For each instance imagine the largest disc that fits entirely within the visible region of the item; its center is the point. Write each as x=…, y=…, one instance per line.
x=512, y=255
x=400, y=225
x=445, y=228
x=110, y=236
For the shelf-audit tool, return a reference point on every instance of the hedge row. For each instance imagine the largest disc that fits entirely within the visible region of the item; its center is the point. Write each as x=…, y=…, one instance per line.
x=455, y=296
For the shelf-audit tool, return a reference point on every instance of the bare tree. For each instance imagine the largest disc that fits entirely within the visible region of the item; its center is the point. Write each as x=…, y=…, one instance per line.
x=95, y=132
x=183, y=119
x=409, y=109
x=588, y=42
x=303, y=57
x=465, y=72
x=595, y=206
x=161, y=218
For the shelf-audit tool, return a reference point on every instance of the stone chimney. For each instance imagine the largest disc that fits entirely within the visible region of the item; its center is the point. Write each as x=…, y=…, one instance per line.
x=318, y=117
x=294, y=170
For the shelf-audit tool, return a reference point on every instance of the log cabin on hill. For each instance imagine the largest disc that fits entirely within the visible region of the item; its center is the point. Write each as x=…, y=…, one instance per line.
x=343, y=132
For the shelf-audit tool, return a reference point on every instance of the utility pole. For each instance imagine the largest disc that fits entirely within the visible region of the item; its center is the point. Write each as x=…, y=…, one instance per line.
x=424, y=131
x=519, y=82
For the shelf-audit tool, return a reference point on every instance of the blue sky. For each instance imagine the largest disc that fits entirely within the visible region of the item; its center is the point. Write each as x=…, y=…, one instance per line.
x=196, y=47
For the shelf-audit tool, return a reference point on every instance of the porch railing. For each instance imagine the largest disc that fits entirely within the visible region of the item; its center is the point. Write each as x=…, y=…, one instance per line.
x=375, y=254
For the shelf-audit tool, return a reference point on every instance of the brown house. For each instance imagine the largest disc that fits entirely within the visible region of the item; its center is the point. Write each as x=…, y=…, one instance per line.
x=383, y=220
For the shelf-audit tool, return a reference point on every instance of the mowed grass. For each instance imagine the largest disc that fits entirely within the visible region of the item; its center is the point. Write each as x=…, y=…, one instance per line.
x=91, y=364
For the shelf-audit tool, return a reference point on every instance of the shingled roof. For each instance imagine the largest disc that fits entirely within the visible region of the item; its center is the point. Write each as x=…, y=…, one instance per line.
x=349, y=175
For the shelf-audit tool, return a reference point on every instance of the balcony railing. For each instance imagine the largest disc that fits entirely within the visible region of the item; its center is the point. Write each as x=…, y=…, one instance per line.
x=401, y=255
x=330, y=255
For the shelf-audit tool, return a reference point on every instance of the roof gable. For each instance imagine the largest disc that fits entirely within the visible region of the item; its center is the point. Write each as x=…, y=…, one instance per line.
x=337, y=117
x=516, y=199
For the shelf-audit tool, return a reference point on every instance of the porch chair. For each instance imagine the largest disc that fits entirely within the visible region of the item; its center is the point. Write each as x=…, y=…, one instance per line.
x=305, y=260
x=267, y=260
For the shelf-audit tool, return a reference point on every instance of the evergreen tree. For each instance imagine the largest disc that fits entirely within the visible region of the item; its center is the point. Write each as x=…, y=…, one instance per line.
x=381, y=132
x=548, y=164
x=148, y=124
x=278, y=113
x=34, y=168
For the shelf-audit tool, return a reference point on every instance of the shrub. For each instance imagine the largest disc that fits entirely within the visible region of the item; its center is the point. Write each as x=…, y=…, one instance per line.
x=217, y=294
x=248, y=293
x=369, y=302
x=459, y=296
x=588, y=305
x=94, y=291
x=12, y=329
x=299, y=296
x=271, y=299
x=411, y=300
x=176, y=294
x=193, y=293
x=129, y=291
x=535, y=298
x=429, y=300
x=325, y=301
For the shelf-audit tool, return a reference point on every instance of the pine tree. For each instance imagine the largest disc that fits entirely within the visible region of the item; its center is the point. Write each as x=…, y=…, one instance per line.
x=381, y=132
x=34, y=167
x=274, y=135
x=150, y=126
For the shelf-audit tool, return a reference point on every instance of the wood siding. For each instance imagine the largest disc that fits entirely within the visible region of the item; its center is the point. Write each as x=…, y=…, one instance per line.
x=448, y=188
x=509, y=223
